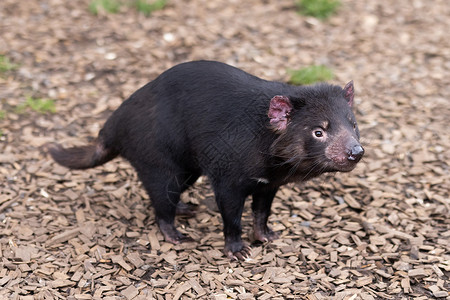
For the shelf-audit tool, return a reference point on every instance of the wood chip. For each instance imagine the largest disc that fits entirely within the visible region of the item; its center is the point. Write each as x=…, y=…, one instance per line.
x=181, y=290
x=118, y=259
x=130, y=292
x=380, y=231
x=63, y=237
x=363, y=281
x=135, y=259
x=419, y=272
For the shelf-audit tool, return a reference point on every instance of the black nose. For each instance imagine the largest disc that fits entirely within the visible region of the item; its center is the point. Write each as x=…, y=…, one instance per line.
x=356, y=153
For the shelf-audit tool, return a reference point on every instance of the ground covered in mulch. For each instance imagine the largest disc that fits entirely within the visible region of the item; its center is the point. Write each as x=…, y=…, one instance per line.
x=379, y=232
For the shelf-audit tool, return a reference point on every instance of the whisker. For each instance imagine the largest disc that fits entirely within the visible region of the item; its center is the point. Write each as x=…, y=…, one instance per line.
x=313, y=167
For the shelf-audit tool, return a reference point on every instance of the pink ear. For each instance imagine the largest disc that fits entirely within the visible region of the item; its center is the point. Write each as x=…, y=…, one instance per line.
x=349, y=93
x=279, y=110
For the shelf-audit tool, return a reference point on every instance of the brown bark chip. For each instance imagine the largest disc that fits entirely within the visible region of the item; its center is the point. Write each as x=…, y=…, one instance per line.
x=379, y=232
x=130, y=292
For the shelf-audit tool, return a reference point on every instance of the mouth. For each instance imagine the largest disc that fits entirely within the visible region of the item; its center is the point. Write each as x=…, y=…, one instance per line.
x=345, y=168
x=353, y=158
x=344, y=163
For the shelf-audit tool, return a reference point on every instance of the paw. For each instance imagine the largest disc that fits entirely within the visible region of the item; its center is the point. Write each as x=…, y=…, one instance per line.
x=181, y=238
x=172, y=235
x=184, y=209
x=237, y=251
x=264, y=235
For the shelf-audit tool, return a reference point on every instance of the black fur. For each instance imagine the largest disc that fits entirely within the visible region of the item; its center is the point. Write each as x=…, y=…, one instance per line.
x=209, y=118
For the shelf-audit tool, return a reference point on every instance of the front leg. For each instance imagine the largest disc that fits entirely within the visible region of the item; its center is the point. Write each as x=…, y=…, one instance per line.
x=230, y=201
x=262, y=202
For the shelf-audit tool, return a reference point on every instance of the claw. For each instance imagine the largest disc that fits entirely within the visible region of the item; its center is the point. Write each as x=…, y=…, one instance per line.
x=242, y=254
x=172, y=235
x=264, y=235
x=184, y=209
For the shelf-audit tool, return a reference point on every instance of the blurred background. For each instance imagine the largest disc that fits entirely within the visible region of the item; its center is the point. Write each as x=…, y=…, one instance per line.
x=381, y=231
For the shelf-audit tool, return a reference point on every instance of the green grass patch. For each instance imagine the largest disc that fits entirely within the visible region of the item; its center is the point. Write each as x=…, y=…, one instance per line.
x=2, y=114
x=310, y=75
x=321, y=9
x=38, y=105
x=6, y=65
x=113, y=6
x=107, y=6
x=148, y=6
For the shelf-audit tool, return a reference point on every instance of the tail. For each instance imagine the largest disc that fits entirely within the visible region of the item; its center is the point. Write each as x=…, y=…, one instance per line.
x=83, y=157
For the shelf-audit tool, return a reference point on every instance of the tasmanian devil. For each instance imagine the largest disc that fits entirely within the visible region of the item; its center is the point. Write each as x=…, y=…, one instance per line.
x=248, y=135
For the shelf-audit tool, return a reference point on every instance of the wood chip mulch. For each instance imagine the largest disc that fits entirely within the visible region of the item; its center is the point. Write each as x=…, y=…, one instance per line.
x=379, y=232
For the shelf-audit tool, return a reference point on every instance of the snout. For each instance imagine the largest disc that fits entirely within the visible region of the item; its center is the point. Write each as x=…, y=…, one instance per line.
x=344, y=153
x=355, y=153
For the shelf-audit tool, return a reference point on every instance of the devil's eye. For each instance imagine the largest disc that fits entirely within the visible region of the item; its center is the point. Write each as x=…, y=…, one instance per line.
x=318, y=133
x=354, y=125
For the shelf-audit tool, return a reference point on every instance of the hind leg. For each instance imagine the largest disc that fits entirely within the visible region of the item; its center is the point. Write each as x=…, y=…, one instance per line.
x=184, y=209
x=164, y=189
